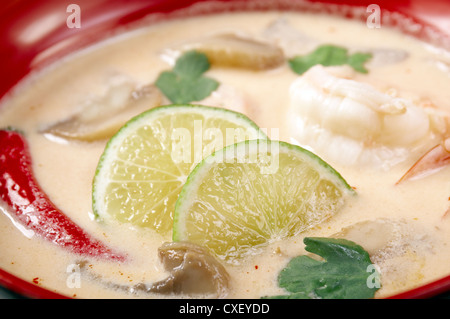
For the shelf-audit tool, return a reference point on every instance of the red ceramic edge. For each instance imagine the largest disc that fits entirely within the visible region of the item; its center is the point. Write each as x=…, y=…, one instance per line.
x=429, y=290
x=25, y=288
x=418, y=11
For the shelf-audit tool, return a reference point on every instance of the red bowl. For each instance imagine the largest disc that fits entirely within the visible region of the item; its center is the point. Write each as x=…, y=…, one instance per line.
x=34, y=34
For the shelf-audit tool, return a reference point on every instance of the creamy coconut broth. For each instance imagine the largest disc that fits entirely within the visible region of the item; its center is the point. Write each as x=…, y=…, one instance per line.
x=404, y=227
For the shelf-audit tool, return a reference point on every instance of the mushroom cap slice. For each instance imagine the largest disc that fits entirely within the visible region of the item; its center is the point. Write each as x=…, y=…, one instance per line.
x=193, y=271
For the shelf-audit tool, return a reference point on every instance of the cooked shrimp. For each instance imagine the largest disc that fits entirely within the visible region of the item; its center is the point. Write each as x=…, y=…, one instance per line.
x=351, y=122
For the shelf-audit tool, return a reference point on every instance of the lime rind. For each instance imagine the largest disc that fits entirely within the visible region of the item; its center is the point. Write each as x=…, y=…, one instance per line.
x=101, y=173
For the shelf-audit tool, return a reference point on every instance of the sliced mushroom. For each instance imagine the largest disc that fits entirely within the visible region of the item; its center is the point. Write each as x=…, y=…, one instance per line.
x=233, y=50
x=295, y=42
x=229, y=97
x=385, y=239
x=398, y=248
x=193, y=271
x=292, y=41
x=373, y=235
x=100, y=118
x=384, y=57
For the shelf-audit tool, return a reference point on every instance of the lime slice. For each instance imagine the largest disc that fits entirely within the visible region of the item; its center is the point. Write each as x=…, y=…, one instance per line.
x=253, y=193
x=144, y=166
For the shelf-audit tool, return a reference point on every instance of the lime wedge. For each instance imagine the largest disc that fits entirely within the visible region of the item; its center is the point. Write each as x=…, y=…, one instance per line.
x=253, y=193
x=144, y=166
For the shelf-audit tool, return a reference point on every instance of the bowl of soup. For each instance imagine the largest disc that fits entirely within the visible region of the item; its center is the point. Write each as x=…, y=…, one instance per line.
x=353, y=95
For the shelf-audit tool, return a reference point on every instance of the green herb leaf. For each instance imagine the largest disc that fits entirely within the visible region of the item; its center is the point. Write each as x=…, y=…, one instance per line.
x=357, y=60
x=186, y=83
x=191, y=64
x=329, y=55
x=345, y=273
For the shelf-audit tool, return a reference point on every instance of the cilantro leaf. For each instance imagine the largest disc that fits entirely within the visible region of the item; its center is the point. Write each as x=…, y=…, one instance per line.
x=345, y=272
x=191, y=64
x=186, y=83
x=329, y=55
x=357, y=60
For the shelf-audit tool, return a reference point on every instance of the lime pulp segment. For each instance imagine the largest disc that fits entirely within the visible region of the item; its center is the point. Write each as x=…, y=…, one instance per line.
x=145, y=165
x=253, y=193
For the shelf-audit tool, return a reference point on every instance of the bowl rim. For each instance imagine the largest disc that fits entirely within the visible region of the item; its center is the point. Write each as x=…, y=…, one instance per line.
x=156, y=10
